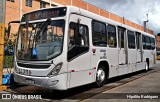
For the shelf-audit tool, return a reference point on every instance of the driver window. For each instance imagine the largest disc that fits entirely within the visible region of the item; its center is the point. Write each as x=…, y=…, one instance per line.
x=71, y=36
x=78, y=41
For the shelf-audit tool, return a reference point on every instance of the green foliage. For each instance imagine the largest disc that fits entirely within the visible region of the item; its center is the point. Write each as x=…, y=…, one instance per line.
x=8, y=62
x=8, y=59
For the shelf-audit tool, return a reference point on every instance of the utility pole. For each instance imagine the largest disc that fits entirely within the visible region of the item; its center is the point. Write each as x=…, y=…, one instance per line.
x=2, y=31
x=145, y=23
x=20, y=9
x=50, y=3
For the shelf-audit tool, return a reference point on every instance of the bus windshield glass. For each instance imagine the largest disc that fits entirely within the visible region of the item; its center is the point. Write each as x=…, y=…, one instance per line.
x=41, y=40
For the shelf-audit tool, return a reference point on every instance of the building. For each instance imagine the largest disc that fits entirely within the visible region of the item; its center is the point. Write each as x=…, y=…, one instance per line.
x=16, y=8
x=158, y=42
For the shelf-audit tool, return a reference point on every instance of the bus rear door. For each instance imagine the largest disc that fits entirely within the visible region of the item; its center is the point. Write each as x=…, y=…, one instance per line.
x=123, y=58
x=139, y=51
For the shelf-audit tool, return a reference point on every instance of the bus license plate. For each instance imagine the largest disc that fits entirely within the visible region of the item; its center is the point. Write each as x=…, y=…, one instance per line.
x=29, y=81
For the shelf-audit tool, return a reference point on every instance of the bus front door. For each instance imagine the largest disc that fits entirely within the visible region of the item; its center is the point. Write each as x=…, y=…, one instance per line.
x=78, y=56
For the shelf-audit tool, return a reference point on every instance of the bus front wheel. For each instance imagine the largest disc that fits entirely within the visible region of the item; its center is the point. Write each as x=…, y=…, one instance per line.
x=100, y=76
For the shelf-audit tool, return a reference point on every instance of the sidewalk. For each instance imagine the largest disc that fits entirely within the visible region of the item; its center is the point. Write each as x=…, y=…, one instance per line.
x=158, y=62
x=4, y=92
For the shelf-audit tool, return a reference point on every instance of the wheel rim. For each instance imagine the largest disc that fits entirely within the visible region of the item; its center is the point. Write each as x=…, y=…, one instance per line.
x=100, y=75
x=146, y=66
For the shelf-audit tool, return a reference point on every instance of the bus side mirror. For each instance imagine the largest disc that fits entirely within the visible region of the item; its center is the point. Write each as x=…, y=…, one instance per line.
x=9, y=30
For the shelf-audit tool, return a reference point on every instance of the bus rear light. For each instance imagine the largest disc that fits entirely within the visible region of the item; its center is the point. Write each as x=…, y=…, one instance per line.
x=56, y=70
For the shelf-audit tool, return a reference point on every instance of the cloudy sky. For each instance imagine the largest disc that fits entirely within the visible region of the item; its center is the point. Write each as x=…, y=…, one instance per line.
x=134, y=10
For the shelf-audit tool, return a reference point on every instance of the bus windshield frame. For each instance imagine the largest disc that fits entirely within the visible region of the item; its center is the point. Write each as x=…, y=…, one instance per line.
x=33, y=27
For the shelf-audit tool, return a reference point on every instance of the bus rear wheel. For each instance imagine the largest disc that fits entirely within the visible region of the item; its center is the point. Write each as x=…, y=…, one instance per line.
x=100, y=76
x=147, y=66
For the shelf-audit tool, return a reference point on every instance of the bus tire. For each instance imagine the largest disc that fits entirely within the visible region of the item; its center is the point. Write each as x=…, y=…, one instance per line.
x=147, y=66
x=100, y=76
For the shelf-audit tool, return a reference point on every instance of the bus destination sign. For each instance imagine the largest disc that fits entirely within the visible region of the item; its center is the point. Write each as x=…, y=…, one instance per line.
x=44, y=14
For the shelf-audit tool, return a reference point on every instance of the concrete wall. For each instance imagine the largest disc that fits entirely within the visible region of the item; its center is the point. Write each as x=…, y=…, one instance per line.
x=13, y=12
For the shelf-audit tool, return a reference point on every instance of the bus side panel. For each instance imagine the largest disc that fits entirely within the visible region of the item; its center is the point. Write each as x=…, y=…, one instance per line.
x=112, y=54
x=146, y=54
x=132, y=57
x=153, y=58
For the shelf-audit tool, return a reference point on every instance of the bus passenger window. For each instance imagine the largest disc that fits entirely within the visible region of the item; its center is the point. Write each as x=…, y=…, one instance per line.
x=148, y=43
x=153, y=43
x=122, y=39
x=111, y=31
x=99, y=35
x=111, y=42
x=144, y=41
x=131, y=40
x=121, y=33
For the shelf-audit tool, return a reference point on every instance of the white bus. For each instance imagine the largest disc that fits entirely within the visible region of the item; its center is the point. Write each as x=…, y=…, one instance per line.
x=65, y=47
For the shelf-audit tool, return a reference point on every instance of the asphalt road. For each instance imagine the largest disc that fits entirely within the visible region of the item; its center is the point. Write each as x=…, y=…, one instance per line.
x=137, y=85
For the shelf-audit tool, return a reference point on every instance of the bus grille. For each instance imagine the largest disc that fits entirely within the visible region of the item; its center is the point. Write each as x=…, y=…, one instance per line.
x=36, y=66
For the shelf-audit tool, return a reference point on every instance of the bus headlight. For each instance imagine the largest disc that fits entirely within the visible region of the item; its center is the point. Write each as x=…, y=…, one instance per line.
x=56, y=70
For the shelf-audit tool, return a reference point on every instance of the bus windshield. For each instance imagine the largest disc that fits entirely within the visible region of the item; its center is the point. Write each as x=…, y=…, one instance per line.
x=41, y=40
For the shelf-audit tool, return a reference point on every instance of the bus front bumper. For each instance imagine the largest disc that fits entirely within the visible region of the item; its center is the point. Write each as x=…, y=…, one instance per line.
x=57, y=82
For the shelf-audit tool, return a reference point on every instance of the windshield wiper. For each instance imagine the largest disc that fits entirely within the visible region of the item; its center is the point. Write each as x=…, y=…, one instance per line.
x=42, y=27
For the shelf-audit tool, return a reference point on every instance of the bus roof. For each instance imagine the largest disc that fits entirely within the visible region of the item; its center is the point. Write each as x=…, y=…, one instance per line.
x=80, y=11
